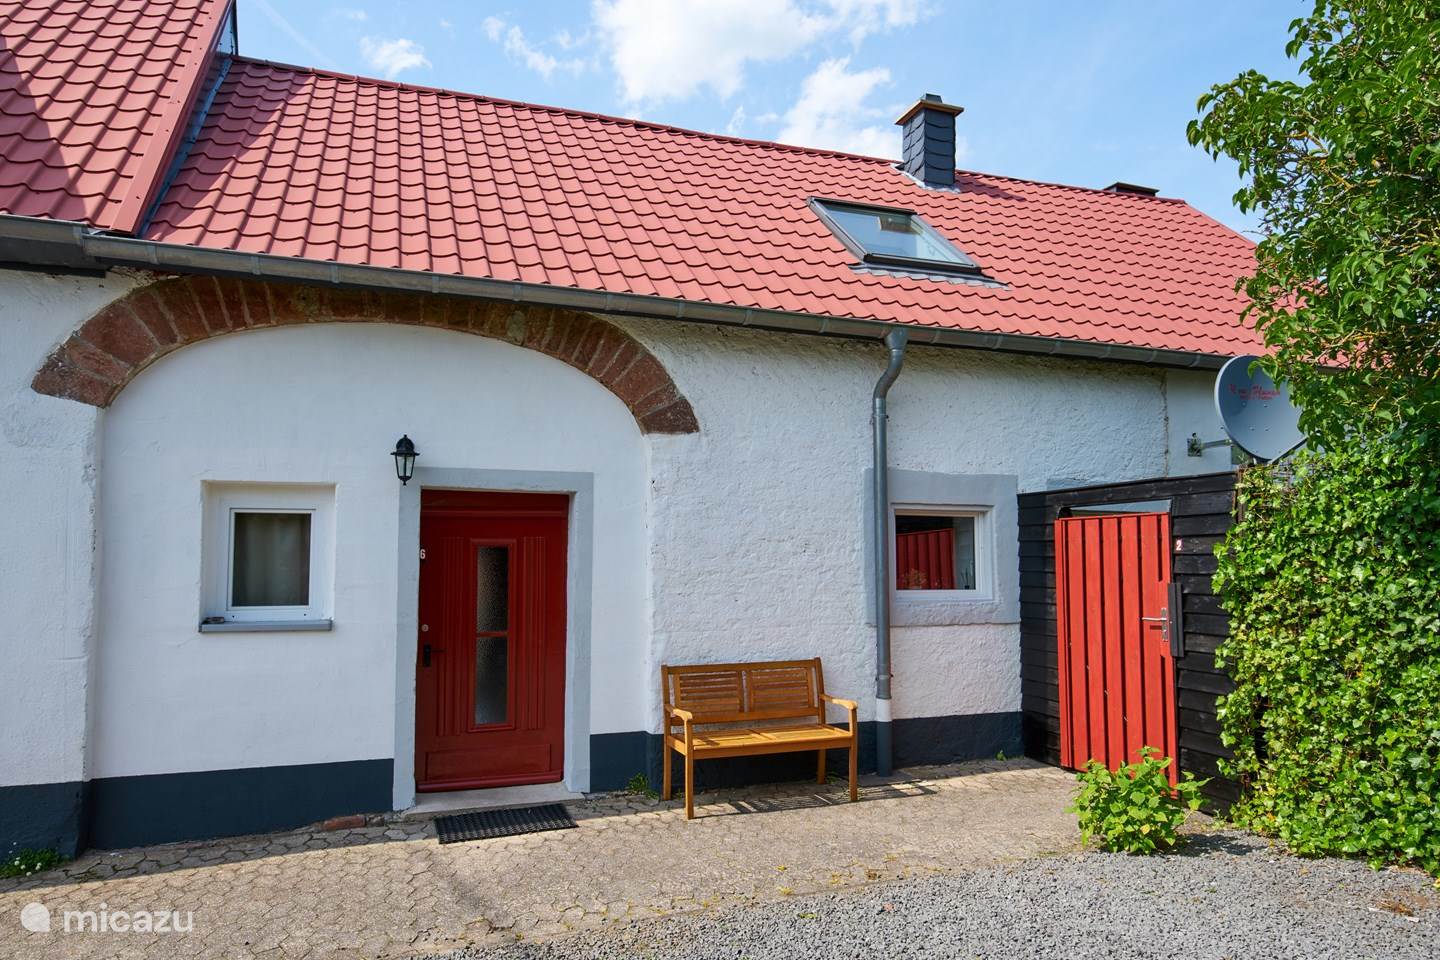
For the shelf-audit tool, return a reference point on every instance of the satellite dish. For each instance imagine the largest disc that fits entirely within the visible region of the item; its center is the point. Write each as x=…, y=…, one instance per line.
x=1255, y=411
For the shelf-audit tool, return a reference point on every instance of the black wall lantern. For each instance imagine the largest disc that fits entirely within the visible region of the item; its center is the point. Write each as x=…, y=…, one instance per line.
x=405, y=455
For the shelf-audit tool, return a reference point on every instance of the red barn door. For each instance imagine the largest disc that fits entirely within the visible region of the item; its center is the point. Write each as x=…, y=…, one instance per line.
x=1117, y=671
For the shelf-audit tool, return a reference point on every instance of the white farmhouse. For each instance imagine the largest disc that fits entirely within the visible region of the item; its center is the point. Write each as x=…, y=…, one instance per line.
x=638, y=367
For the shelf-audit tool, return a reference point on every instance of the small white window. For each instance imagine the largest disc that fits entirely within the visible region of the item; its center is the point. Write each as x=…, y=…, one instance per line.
x=942, y=553
x=268, y=553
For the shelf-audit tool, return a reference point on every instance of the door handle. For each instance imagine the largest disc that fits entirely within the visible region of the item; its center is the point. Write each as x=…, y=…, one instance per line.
x=1163, y=620
x=425, y=655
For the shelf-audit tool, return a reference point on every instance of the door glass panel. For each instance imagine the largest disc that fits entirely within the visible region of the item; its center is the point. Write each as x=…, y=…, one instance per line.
x=491, y=679
x=492, y=616
x=492, y=589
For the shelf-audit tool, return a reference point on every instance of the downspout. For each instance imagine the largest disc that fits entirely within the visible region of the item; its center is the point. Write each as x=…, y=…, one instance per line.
x=880, y=502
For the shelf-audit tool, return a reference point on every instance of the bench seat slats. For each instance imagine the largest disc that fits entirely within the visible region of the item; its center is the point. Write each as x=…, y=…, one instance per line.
x=807, y=737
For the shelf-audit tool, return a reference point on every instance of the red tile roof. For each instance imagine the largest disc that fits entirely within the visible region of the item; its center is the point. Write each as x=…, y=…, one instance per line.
x=310, y=164
x=304, y=163
x=92, y=96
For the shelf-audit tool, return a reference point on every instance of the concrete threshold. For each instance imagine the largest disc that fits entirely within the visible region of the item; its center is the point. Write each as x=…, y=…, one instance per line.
x=428, y=805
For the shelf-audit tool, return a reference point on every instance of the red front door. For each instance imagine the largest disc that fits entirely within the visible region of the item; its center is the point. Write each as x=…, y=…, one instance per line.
x=490, y=667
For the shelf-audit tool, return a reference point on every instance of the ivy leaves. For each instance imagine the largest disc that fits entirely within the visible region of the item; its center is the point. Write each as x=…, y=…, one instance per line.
x=1332, y=580
x=1345, y=171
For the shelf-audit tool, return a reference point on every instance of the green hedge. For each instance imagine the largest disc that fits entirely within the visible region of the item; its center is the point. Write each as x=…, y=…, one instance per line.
x=1332, y=579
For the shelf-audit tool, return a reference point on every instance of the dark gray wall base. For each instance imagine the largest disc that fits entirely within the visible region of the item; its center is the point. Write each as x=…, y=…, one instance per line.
x=136, y=811
x=976, y=736
x=616, y=757
x=43, y=816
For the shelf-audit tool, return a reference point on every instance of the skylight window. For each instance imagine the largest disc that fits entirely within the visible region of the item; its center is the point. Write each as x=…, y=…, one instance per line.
x=891, y=237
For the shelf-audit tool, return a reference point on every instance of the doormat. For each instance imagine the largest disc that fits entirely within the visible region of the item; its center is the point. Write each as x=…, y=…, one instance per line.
x=486, y=824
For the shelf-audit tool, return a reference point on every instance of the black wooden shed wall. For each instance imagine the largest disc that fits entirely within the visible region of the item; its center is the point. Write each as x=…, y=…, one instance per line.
x=1200, y=512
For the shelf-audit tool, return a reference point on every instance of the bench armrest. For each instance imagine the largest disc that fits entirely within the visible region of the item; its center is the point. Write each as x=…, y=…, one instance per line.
x=850, y=708
x=688, y=719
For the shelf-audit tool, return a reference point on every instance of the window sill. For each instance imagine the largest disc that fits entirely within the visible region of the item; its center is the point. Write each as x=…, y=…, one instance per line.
x=940, y=611
x=266, y=626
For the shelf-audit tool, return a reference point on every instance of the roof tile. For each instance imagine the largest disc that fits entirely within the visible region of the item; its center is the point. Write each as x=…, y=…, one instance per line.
x=92, y=97
x=304, y=163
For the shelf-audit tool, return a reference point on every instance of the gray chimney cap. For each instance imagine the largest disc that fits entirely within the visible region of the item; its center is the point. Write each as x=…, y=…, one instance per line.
x=931, y=101
x=1120, y=186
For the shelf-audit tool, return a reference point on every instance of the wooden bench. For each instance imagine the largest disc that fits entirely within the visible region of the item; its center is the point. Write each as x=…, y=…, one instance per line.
x=751, y=704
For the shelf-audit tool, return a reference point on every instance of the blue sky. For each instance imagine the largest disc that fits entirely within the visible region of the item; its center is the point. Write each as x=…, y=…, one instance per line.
x=1067, y=92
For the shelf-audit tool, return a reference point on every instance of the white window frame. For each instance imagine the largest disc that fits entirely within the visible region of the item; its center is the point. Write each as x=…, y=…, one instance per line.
x=994, y=494
x=984, y=590
x=222, y=502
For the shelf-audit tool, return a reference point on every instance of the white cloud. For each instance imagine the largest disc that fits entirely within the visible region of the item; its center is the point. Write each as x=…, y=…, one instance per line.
x=671, y=49
x=833, y=112
x=736, y=126
x=566, y=40
x=517, y=47
x=864, y=17
x=836, y=110
x=391, y=57
x=352, y=13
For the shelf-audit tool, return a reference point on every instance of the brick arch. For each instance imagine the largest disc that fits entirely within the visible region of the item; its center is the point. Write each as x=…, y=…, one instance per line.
x=129, y=334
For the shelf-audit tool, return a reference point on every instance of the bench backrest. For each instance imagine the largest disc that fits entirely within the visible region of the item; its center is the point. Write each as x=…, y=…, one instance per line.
x=739, y=692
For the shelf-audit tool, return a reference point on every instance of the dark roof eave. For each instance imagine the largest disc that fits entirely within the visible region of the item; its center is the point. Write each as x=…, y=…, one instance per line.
x=54, y=242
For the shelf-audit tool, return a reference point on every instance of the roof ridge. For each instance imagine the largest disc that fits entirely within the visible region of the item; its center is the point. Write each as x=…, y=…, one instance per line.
x=670, y=127
x=173, y=116
x=570, y=111
x=1074, y=186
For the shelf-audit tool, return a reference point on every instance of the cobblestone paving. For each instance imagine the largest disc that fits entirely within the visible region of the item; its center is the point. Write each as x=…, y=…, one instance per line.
x=390, y=890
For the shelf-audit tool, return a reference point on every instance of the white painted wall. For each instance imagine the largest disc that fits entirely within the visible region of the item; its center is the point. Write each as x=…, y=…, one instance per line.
x=758, y=538
x=324, y=404
x=745, y=540
x=1191, y=403
x=47, y=532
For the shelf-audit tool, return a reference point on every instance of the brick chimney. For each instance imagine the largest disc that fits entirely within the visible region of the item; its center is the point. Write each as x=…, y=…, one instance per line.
x=928, y=141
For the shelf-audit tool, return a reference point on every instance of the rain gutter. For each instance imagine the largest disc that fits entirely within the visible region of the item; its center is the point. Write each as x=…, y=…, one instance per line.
x=42, y=242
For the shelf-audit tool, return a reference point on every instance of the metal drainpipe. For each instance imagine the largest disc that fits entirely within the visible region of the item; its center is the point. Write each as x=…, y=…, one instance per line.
x=895, y=340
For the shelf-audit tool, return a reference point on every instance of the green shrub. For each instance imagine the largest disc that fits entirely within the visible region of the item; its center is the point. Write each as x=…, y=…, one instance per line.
x=1332, y=580
x=1133, y=809
x=26, y=862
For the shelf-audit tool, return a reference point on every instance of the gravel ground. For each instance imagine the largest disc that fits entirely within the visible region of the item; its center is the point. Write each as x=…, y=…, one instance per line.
x=1228, y=896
